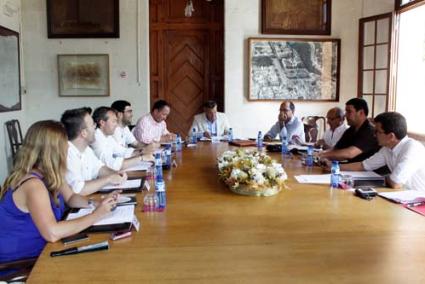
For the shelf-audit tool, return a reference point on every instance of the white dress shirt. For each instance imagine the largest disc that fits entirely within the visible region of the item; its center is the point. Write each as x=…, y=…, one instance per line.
x=109, y=151
x=331, y=137
x=406, y=162
x=293, y=128
x=202, y=124
x=81, y=167
x=123, y=136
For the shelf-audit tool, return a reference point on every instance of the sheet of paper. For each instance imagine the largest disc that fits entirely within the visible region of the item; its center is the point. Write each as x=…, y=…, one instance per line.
x=326, y=178
x=133, y=183
x=141, y=166
x=405, y=196
x=121, y=214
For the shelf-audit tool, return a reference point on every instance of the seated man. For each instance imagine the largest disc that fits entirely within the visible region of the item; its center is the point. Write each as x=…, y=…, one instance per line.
x=152, y=127
x=210, y=122
x=85, y=172
x=122, y=133
x=106, y=147
x=287, y=125
x=358, y=142
x=401, y=154
x=337, y=127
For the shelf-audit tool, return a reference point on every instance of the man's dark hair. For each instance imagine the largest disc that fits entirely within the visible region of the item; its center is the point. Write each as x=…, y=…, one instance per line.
x=101, y=113
x=358, y=104
x=210, y=104
x=73, y=120
x=159, y=105
x=291, y=105
x=392, y=122
x=120, y=105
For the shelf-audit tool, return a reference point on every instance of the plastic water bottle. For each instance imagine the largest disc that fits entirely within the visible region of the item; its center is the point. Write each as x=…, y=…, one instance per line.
x=285, y=150
x=159, y=183
x=194, y=138
x=309, y=159
x=335, y=174
x=178, y=143
x=166, y=165
x=230, y=135
x=260, y=141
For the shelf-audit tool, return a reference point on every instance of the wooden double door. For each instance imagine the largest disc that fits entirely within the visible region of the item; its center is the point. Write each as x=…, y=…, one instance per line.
x=186, y=58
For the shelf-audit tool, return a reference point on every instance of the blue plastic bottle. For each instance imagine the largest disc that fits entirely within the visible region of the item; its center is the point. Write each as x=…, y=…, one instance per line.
x=230, y=135
x=285, y=150
x=260, y=141
x=194, y=138
x=309, y=159
x=178, y=143
x=167, y=157
x=159, y=183
x=335, y=174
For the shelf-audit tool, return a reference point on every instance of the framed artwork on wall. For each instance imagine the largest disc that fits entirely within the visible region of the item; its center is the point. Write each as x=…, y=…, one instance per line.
x=295, y=69
x=306, y=17
x=83, y=19
x=83, y=75
x=10, y=77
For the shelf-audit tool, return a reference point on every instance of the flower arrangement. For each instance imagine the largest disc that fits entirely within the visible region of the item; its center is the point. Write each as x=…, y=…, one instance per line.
x=251, y=173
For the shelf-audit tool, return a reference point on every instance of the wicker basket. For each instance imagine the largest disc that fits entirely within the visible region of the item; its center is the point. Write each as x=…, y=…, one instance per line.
x=251, y=191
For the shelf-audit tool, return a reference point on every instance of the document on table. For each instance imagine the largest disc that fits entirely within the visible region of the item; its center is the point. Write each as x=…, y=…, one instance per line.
x=133, y=183
x=121, y=214
x=325, y=178
x=404, y=196
x=141, y=166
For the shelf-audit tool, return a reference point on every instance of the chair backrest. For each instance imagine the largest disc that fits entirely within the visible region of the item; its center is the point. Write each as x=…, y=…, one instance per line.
x=15, y=135
x=17, y=270
x=314, y=127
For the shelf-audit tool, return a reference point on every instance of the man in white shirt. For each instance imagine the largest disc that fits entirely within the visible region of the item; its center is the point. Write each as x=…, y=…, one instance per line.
x=402, y=155
x=86, y=174
x=287, y=125
x=210, y=122
x=122, y=133
x=337, y=127
x=106, y=147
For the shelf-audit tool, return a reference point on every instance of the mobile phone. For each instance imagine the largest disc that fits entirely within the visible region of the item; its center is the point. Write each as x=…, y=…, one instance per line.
x=366, y=192
x=120, y=235
x=74, y=239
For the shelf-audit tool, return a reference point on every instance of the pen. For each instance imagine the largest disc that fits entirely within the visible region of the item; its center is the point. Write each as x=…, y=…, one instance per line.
x=74, y=250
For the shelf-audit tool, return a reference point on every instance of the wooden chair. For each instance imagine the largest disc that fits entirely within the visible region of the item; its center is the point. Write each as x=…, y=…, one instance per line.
x=20, y=270
x=15, y=135
x=314, y=127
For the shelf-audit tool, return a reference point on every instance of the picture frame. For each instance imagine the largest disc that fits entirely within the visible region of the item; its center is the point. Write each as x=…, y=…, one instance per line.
x=83, y=75
x=10, y=71
x=307, y=17
x=83, y=19
x=293, y=69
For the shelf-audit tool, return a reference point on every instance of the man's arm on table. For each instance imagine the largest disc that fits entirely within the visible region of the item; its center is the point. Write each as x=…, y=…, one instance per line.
x=341, y=154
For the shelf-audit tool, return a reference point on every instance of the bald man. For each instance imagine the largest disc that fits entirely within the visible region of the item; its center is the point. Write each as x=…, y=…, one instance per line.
x=337, y=127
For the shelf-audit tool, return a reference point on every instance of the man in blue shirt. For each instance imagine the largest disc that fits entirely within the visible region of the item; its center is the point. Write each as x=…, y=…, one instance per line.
x=288, y=125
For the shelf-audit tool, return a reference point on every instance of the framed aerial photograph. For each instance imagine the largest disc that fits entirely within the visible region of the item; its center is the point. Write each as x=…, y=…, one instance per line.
x=83, y=19
x=83, y=75
x=294, y=69
x=306, y=17
x=10, y=78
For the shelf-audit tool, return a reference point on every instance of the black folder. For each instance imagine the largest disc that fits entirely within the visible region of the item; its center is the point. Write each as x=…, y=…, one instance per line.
x=126, y=190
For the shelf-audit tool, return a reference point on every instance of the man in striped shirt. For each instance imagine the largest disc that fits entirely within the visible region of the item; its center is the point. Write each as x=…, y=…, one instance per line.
x=152, y=128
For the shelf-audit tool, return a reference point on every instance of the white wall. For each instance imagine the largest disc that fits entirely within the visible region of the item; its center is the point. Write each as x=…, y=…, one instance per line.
x=242, y=20
x=10, y=17
x=40, y=55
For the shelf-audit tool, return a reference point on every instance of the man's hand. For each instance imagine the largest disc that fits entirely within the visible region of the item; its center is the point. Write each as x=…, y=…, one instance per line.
x=207, y=134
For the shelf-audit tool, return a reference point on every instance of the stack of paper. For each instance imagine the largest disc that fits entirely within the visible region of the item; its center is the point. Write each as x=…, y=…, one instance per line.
x=326, y=178
x=405, y=196
x=134, y=183
x=122, y=214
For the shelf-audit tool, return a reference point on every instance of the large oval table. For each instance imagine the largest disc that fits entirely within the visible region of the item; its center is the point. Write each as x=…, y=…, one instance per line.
x=305, y=234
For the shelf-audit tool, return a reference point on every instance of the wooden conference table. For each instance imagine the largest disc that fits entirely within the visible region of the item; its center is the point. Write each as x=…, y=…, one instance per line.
x=307, y=234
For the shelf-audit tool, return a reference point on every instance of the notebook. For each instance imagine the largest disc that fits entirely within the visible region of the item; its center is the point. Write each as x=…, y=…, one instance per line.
x=134, y=185
x=411, y=199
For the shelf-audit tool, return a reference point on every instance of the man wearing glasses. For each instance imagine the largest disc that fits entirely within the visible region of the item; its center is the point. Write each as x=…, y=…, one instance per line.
x=337, y=127
x=400, y=153
x=287, y=125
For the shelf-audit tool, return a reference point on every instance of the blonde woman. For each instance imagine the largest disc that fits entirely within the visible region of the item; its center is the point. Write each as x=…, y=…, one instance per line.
x=33, y=197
